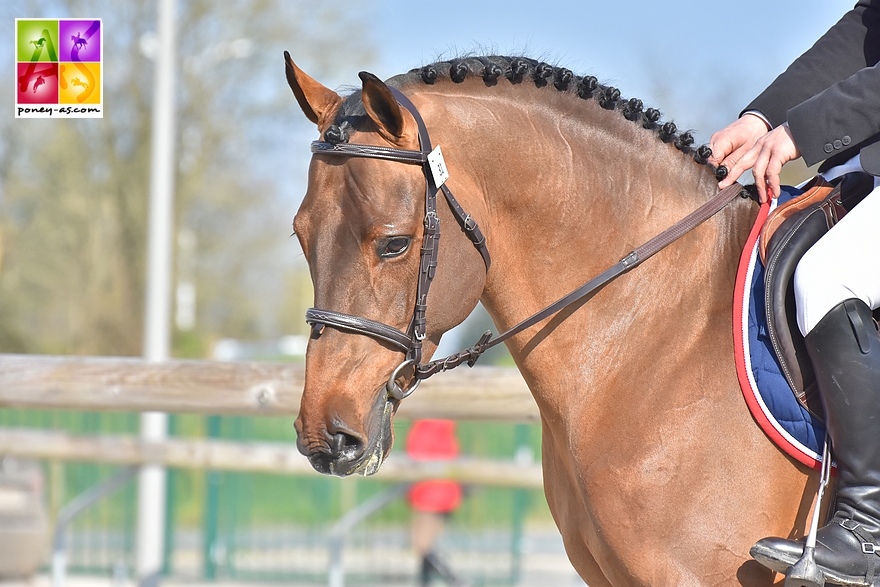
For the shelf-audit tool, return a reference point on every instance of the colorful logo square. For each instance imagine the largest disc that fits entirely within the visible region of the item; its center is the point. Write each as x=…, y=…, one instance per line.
x=36, y=40
x=80, y=40
x=79, y=83
x=59, y=68
x=37, y=83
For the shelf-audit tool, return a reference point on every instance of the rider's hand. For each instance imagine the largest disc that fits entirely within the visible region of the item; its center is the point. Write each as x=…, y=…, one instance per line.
x=766, y=158
x=776, y=149
x=732, y=142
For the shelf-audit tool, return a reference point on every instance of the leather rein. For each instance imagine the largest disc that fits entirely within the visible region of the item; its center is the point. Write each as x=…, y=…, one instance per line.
x=410, y=342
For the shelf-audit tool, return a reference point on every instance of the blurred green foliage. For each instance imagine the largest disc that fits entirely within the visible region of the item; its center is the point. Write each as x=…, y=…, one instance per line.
x=74, y=193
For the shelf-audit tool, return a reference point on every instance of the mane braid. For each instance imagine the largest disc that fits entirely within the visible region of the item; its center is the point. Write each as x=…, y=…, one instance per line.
x=522, y=70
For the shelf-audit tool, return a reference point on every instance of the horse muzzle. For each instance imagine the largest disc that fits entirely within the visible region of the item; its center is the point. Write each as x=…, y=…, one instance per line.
x=344, y=452
x=338, y=456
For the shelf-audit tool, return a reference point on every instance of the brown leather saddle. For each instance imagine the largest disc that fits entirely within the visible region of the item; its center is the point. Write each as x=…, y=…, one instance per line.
x=790, y=230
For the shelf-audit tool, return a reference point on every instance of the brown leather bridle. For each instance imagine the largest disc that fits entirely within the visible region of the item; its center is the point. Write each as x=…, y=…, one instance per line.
x=410, y=342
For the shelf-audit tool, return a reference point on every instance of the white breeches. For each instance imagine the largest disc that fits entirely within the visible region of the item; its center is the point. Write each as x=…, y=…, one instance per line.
x=844, y=263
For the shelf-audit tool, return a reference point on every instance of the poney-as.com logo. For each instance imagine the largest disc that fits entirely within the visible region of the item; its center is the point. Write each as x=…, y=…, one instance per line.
x=58, y=68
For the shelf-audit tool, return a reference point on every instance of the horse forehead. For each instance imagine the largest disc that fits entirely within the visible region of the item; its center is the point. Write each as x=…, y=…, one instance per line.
x=361, y=191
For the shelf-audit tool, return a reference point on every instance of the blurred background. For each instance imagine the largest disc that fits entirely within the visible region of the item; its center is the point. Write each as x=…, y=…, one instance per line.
x=73, y=234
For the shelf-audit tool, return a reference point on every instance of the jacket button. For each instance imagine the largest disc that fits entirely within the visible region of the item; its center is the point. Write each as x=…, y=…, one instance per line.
x=828, y=147
x=846, y=140
x=838, y=145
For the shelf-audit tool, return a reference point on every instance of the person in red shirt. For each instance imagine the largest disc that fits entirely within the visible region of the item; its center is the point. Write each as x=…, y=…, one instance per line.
x=434, y=500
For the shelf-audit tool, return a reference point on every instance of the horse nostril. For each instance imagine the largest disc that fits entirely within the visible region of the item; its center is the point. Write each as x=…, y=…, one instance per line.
x=344, y=444
x=338, y=443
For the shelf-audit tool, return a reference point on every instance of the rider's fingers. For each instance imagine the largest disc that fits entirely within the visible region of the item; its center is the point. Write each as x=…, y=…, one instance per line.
x=721, y=148
x=737, y=163
x=771, y=175
x=739, y=135
x=762, y=172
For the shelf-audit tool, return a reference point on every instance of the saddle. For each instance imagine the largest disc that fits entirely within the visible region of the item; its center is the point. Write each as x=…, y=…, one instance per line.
x=788, y=233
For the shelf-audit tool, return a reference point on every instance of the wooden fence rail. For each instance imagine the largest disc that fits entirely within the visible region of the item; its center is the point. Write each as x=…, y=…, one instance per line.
x=262, y=457
x=210, y=387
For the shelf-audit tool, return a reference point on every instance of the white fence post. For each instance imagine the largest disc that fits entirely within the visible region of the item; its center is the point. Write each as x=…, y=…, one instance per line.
x=154, y=426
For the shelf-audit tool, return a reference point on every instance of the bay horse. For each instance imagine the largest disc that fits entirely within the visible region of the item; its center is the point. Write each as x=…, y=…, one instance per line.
x=654, y=470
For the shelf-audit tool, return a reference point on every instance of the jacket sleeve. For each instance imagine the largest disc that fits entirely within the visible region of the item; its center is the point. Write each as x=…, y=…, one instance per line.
x=848, y=47
x=840, y=117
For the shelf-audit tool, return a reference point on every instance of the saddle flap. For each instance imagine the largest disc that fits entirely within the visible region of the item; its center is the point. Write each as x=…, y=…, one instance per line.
x=795, y=235
x=799, y=229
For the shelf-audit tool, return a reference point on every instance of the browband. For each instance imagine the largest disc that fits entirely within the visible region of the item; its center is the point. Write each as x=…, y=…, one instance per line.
x=375, y=152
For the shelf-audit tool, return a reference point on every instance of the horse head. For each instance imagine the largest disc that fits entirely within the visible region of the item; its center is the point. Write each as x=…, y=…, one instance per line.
x=361, y=227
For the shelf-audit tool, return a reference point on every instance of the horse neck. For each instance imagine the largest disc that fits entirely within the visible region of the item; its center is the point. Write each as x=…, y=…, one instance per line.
x=565, y=189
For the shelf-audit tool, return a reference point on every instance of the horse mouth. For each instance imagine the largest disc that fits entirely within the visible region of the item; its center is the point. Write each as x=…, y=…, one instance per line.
x=365, y=462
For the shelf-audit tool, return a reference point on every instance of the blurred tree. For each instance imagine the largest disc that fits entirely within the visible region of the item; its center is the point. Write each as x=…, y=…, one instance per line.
x=73, y=193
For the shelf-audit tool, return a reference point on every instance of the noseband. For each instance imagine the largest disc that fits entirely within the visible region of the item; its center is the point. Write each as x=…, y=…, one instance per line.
x=435, y=174
x=434, y=170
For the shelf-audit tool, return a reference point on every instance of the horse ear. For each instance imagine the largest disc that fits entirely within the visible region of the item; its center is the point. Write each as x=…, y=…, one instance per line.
x=316, y=101
x=395, y=123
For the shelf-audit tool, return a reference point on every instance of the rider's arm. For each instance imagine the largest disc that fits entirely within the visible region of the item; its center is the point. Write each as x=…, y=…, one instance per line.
x=849, y=46
x=839, y=118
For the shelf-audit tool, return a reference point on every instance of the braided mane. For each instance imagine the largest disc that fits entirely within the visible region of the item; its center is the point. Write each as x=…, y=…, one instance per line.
x=497, y=69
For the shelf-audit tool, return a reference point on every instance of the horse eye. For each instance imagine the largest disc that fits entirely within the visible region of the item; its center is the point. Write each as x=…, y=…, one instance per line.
x=393, y=247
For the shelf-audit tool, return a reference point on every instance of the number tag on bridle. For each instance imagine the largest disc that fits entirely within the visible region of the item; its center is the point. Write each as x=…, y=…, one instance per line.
x=438, y=166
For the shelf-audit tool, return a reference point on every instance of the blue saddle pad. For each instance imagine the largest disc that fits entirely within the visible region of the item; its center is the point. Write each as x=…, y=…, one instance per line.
x=767, y=393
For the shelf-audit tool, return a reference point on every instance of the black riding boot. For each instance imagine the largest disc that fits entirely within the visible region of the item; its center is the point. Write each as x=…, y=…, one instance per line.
x=432, y=562
x=845, y=350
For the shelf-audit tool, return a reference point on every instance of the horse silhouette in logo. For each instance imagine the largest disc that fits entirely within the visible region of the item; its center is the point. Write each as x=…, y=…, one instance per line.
x=40, y=81
x=78, y=82
x=78, y=41
x=38, y=44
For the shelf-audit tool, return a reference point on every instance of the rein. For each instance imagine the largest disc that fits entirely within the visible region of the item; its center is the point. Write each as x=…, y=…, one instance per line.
x=434, y=170
x=631, y=261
